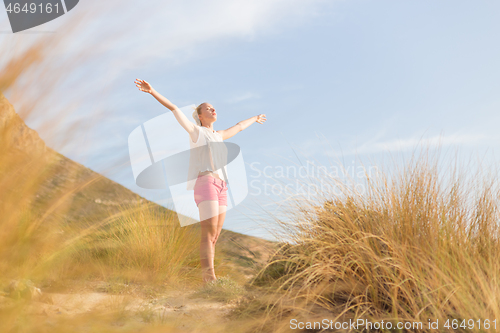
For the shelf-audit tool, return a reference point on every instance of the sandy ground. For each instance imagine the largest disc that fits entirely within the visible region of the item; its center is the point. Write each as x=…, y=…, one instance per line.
x=137, y=305
x=180, y=308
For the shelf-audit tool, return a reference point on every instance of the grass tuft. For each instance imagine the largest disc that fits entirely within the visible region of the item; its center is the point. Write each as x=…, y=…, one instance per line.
x=223, y=289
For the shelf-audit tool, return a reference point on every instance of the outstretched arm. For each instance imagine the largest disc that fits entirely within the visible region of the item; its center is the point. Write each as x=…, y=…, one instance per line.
x=231, y=131
x=188, y=125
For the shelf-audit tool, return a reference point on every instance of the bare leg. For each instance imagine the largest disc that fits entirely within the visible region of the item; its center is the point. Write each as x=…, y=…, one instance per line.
x=209, y=217
x=220, y=222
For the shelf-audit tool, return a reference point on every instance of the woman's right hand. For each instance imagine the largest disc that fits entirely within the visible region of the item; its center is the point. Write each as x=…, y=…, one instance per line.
x=143, y=86
x=261, y=118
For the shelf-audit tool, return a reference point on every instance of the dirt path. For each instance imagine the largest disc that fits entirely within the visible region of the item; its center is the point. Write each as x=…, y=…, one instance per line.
x=179, y=308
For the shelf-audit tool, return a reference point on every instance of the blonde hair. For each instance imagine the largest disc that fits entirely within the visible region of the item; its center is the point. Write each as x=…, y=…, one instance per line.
x=196, y=114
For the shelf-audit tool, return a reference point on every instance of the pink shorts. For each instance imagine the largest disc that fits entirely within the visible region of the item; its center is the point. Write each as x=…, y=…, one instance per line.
x=210, y=188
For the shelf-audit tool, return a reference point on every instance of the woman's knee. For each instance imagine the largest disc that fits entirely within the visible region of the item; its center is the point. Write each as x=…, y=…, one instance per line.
x=209, y=233
x=209, y=238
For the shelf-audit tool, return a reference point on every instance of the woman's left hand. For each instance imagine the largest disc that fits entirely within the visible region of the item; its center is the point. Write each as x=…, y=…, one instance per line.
x=261, y=118
x=143, y=86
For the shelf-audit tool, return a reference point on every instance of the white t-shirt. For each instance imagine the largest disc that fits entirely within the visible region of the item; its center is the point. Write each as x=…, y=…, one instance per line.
x=204, y=153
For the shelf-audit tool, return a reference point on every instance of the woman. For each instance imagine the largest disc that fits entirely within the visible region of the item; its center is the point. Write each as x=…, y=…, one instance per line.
x=210, y=190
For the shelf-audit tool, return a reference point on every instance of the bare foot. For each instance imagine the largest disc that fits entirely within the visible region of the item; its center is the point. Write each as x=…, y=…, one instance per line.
x=208, y=277
x=208, y=281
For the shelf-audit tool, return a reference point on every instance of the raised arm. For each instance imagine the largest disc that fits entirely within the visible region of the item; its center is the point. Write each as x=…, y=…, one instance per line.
x=231, y=131
x=188, y=125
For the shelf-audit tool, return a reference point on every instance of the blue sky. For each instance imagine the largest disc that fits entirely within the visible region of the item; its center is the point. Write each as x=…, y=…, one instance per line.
x=336, y=79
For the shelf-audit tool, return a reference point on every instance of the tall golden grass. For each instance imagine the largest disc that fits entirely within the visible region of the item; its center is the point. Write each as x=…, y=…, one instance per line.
x=421, y=243
x=134, y=243
x=33, y=225
x=144, y=242
x=417, y=245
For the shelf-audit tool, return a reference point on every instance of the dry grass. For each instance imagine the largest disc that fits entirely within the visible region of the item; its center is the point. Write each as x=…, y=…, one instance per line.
x=417, y=245
x=134, y=244
x=140, y=251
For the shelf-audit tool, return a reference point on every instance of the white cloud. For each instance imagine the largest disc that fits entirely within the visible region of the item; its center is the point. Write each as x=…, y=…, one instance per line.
x=243, y=97
x=322, y=146
x=104, y=40
x=126, y=33
x=190, y=22
x=181, y=31
x=399, y=145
